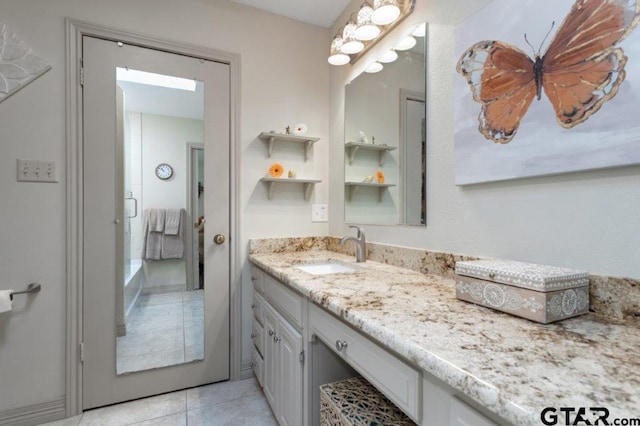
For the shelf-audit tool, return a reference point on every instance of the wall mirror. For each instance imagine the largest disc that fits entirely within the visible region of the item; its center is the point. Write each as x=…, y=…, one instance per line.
x=160, y=300
x=385, y=138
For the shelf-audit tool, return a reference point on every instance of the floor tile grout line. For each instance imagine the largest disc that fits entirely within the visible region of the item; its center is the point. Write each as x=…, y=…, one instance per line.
x=200, y=407
x=156, y=418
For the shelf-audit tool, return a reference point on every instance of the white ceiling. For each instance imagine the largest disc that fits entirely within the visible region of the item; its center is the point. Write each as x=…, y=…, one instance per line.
x=162, y=101
x=317, y=12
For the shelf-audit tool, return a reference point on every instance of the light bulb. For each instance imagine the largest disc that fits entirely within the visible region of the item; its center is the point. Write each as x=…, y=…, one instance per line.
x=388, y=57
x=336, y=57
x=367, y=32
x=374, y=67
x=350, y=44
x=339, y=59
x=352, y=47
x=385, y=12
x=366, y=29
x=406, y=43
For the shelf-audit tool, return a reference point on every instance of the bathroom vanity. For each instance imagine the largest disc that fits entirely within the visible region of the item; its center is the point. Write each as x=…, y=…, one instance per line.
x=441, y=360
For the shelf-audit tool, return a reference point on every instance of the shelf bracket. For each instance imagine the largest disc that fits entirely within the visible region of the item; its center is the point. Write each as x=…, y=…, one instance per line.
x=352, y=191
x=270, y=147
x=270, y=186
x=308, y=188
x=307, y=149
x=352, y=153
x=382, y=156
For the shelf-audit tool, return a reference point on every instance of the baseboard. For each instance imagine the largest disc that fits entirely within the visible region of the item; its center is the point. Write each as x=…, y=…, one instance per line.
x=246, y=372
x=35, y=414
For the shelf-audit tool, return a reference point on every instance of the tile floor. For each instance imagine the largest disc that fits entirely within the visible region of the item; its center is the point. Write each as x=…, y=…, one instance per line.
x=221, y=404
x=163, y=329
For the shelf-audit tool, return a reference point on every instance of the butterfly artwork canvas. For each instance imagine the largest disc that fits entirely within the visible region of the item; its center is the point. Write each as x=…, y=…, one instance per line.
x=546, y=87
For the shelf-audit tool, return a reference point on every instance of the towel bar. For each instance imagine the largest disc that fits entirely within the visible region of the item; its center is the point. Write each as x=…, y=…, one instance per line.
x=31, y=288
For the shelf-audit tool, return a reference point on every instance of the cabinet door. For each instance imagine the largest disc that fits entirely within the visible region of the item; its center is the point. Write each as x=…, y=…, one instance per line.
x=289, y=343
x=271, y=383
x=460, y=414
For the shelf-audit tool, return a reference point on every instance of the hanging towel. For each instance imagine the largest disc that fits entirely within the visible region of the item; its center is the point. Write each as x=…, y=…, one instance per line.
x=152, y=239
x=5, y=300
x=172, y=222
x=173, y=245
x=156, y=220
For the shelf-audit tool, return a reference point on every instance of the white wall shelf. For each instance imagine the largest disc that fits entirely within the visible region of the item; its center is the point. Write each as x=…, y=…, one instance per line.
x=353, y=188
x=383, y=150
x=308, y=185
x=270, y=138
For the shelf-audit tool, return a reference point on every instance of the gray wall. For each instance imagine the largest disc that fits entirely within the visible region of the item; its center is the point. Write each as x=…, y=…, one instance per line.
x=284, y=80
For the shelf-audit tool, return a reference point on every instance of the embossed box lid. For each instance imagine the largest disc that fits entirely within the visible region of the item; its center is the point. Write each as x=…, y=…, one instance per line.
x=526, y=275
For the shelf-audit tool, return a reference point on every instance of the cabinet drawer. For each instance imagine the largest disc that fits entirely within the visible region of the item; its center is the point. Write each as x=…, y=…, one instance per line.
x=287, y=302
x=257, y=364
x=257, y=278
x=388, y=373
x=257, y=305
x=257, y=334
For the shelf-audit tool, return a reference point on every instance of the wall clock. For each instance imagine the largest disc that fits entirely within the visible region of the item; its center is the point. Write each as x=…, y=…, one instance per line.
x=164, y=171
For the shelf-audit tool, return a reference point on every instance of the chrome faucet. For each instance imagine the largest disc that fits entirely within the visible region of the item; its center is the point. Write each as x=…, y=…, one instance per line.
x=361, y=244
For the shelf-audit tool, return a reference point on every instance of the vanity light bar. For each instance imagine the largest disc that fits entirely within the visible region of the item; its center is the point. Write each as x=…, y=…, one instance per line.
x=371, y=23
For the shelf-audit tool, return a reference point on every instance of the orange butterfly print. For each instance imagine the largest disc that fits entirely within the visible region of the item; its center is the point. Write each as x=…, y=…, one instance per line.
x=580, y=71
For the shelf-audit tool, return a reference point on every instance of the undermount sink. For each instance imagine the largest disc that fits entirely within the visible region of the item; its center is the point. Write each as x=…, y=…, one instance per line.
x=325, y=268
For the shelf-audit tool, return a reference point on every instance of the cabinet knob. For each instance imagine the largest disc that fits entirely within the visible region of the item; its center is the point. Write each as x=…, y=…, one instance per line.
x=276, y=339
x=253, y=306
x=251, y=364
x=271, y=333
x=253, y=279
x=218, y=239
x=340, y=345
x=253, y=335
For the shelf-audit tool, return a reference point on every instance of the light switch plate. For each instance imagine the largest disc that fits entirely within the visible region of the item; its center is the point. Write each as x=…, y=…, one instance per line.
x=36, y=171
x=319, y=213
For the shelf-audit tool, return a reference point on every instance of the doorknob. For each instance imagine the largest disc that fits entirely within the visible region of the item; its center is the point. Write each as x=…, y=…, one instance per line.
x=218, y=239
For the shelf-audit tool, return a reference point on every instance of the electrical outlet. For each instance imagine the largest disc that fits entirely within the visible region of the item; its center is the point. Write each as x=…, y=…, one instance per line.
x=36, y=171
x=319, y=213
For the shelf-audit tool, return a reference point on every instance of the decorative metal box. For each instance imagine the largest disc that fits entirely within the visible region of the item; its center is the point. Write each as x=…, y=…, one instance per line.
x=536, y=292
x=356, y=402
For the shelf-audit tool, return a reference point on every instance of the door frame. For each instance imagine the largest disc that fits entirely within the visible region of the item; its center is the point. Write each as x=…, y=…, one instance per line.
x=191, y=267
x=406, y=96
x=75, y=30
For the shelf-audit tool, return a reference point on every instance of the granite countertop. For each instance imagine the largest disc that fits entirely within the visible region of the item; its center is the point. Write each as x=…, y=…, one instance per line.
x=513, y=367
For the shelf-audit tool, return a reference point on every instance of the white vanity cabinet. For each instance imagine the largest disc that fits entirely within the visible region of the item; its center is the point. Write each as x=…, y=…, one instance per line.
x=288, y=323
x=283, y=368
x=281, y=348
x=257, y=328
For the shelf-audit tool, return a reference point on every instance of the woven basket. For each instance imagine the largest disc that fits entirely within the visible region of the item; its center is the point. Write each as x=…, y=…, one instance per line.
x=355, y=402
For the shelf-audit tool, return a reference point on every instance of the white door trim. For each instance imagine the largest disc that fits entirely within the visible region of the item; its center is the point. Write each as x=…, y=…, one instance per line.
x=405, y=96
x=75, y=30
x=192, y=254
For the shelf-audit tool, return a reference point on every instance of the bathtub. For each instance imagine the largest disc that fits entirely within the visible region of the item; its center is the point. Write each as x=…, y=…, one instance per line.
x=132, y=285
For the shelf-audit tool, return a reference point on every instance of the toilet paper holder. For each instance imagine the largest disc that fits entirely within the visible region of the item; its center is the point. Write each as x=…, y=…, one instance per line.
x=31, y=288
